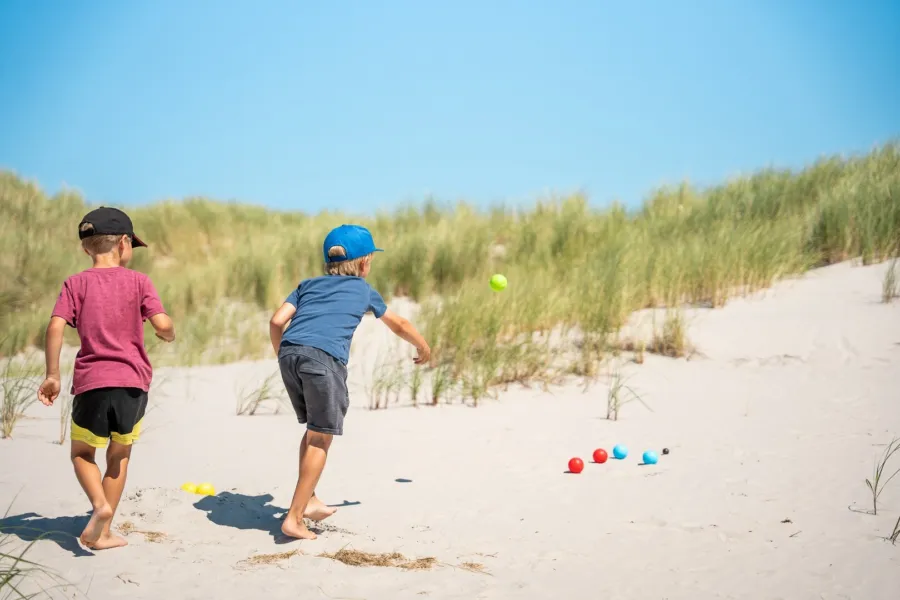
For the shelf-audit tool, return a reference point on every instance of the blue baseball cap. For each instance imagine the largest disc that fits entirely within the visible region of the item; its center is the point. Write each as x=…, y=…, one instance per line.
x=354, y=239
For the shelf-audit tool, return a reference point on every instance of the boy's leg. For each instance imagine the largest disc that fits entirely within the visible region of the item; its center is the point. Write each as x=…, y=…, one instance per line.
x=128, y=407
x=316, y=510
x=88, y=475
x=317, y=384
x=117, y=457
x=89, y=431
x=311, y=466
x=288, y=362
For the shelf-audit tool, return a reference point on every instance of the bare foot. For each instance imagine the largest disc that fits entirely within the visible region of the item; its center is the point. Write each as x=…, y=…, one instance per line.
x=317, y=510
x=101, y=517
x=293, y=529
x=108, y=541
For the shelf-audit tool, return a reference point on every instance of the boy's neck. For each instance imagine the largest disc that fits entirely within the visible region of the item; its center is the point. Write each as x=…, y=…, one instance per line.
x=107, y=261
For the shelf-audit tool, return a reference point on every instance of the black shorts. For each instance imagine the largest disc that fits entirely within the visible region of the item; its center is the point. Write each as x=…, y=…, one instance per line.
x=316, y=382
x=104, y=413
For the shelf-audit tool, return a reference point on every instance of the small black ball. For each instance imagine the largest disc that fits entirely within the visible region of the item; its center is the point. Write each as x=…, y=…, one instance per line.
x=665, y=450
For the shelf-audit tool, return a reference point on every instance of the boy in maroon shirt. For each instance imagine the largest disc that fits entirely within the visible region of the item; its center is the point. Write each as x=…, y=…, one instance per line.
x=108, y=305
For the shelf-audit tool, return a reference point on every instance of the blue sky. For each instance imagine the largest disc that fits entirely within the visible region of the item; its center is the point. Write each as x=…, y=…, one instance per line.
x=357, y=105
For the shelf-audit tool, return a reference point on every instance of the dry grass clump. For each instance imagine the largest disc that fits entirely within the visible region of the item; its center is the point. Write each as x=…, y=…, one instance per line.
x=268, y=559
x=127, y=528
x=672, y=340
x=358, y=558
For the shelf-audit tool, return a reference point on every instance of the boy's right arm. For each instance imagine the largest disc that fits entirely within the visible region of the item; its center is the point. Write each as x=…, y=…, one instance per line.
x=277, y=323
x=152, y=310
x=405, y=330
x=49, y=389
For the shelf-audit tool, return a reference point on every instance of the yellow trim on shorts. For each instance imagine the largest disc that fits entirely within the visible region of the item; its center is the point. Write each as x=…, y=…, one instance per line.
x=80, y=434
x=128, y=438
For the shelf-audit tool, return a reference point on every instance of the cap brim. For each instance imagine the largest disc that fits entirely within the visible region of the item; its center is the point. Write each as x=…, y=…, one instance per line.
x=137, y=242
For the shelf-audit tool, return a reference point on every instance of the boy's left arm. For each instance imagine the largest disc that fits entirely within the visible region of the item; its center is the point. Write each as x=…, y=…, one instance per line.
x=276, y=324
x=49, y=390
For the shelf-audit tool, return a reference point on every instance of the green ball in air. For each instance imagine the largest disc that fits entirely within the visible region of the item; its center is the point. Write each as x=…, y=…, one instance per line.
x=498, y=282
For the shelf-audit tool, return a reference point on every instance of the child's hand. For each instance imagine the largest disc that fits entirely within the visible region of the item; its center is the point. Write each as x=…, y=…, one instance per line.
x=424, y=355
x=48, y=391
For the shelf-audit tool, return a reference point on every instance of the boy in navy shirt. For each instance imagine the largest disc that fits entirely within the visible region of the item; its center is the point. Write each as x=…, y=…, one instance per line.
x=313, y=352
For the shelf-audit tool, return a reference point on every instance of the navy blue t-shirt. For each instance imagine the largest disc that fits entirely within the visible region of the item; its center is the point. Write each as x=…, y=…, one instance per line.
x=329, y=309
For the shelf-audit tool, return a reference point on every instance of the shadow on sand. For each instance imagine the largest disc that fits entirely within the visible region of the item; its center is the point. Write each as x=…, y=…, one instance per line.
x=64, y=531
x=241, y=511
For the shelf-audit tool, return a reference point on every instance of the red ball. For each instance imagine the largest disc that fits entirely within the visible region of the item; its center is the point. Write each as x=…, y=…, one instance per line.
x=600, y=456
x=576, y=465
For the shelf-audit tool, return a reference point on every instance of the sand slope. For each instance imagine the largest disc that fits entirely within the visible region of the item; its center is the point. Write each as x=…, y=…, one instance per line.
x=773, y=430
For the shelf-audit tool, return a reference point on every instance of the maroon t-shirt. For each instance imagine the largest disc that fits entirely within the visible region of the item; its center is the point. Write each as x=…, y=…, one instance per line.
x=108, y=307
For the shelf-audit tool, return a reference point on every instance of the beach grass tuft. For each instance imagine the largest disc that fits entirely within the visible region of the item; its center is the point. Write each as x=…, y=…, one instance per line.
x=880, y=477
x=890, y=286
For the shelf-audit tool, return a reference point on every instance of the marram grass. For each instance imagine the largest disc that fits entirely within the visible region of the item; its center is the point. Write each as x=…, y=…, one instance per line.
x=575, y=271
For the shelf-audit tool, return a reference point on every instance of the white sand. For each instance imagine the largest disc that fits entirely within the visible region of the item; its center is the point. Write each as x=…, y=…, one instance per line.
x=796, y=394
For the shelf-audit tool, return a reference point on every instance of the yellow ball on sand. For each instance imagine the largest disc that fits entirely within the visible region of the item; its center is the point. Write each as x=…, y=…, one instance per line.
x=206, y=489
x=498, y=282
x=189, y=487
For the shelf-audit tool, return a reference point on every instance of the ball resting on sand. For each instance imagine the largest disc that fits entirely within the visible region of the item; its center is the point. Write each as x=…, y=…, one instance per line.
x=189, y=487
x=576, y=465
x=206, y=489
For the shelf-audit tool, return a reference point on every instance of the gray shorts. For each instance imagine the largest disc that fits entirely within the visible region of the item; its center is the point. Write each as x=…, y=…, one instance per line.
x=316, y=383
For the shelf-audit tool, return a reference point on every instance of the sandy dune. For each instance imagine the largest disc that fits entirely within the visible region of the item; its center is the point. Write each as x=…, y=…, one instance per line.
x=772, y=430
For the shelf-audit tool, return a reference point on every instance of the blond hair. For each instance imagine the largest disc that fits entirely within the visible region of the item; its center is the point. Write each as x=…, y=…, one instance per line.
x=98, y=244
x=345, y=267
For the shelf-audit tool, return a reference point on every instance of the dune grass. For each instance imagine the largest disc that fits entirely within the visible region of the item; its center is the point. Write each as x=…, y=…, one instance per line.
x=576, y=272
x=65, y=401
x=880, y=477
x=18, y=390
x=895, y=533
x=259, y=394
x=24, y=579
x=616, y=397
x=890, y=285
x=15, y=569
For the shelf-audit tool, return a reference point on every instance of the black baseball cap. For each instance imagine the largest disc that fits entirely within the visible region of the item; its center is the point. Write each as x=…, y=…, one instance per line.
x=109, y=221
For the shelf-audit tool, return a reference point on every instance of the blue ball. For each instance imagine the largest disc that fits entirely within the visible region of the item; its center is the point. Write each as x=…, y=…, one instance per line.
x=620, y=451
x=650, y=457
